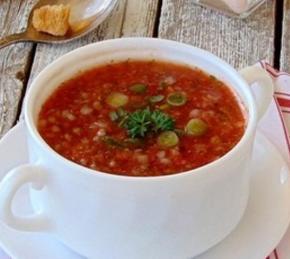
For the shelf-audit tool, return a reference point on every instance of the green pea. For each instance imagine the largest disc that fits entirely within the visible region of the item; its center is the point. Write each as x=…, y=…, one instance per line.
x=176, y=99
x=117, y=100
x=138, y=88
x=196, y=127
x=167, y=139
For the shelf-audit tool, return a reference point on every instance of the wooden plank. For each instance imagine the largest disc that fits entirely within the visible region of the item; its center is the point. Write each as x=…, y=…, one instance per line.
x=130, y=17
x=239, y=42
x=285, y=51
x=14, y=61
x=140, y=18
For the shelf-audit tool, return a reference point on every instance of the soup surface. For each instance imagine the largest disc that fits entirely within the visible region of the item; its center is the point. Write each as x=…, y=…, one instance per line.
x=142, y=118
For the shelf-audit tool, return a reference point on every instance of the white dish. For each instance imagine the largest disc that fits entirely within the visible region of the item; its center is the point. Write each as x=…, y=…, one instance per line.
x=262, y=227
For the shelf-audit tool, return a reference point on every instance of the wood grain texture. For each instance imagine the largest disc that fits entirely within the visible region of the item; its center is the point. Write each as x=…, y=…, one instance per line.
x=130, y=18
x=14, y=60
x=140, y=17
x=239, y=42
x=285, y=51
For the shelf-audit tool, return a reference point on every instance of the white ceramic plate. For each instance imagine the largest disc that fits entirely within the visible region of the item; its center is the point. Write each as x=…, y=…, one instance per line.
x=262, y=227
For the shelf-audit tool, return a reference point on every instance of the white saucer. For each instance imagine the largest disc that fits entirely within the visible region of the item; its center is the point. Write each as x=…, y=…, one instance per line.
x=262, y=227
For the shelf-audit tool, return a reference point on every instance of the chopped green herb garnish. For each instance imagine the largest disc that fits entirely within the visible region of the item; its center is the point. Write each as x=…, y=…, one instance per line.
x=142, y=122
x=126, y=143
x=121, y=112
x=122, y=122
x=179, y=132
x=133, y=143
x=156, y=98
x=139, y=123
x=138, y=88
x=111, y=141
x=120, y=116
x=114, y=116
x=161, y=121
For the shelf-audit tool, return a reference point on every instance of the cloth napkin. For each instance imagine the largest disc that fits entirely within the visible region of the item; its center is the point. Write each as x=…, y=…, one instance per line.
x=276, y=126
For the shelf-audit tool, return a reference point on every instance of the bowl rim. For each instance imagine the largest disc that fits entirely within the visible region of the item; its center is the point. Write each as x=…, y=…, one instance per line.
x=200, y=171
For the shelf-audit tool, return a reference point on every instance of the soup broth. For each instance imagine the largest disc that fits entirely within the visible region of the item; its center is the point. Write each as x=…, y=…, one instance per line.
x=142, y=118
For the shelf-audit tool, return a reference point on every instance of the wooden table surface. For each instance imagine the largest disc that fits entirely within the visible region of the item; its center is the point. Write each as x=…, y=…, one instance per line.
x=263, y=35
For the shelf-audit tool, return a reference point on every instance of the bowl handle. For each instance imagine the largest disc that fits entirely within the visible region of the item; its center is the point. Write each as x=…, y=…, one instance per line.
x=11, y=183
x=263, y=90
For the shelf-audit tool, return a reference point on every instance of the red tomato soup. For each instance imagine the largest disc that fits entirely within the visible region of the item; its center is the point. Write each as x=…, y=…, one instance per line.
x=142, y=118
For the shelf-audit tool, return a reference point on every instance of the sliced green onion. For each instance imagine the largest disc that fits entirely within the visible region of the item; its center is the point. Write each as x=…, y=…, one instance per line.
x=117, y=99
x=167, y=139
x=138, y=88
x=156, y=98
x=176, y=99
x=196, y=127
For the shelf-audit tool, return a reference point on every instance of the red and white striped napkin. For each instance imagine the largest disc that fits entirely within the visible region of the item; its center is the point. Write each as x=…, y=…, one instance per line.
x=275, y=125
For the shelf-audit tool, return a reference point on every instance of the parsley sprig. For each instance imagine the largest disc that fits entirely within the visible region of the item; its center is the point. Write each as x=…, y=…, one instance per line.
x=139, y=123
x=161, y=121
x=142, y=122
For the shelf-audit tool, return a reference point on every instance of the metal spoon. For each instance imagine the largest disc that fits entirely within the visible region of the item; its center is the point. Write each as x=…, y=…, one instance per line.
x=84, y=17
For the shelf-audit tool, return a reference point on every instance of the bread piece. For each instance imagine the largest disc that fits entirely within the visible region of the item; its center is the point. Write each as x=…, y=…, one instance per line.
x=52, y=19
